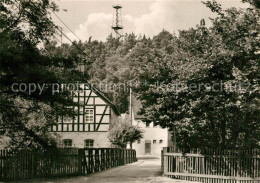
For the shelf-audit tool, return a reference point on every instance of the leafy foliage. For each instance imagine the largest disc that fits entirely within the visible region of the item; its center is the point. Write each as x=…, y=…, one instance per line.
x=209, y=85
x=25, y=117
x=203, y=82
x=122, y=132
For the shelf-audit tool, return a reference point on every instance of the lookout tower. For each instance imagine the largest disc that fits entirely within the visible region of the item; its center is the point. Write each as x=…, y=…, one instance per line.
x=117, y=20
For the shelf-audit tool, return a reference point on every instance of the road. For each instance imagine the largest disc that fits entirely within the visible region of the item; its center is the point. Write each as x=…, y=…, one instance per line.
x=145, y=170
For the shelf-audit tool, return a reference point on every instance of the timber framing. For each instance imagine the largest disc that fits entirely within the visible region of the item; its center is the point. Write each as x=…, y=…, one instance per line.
x=93, y=111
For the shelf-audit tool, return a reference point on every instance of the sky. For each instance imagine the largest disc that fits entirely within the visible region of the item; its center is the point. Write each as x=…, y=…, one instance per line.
x=94, y=18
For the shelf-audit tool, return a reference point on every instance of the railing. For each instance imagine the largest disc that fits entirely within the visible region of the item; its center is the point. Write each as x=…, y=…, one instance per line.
x=28, y=164
x=220, y=166
x=95, y=160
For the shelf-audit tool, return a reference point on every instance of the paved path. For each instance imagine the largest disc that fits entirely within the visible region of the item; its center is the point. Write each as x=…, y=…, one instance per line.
x=146, y=170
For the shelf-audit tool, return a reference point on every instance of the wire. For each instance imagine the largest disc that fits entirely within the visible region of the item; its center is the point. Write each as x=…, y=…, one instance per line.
x=79, y=47
x=12, y=106
x=65, y=24
x=123, y=98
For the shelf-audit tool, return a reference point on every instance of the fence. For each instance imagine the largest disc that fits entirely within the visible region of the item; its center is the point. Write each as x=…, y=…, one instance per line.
x=213, y=166
x=95, y=160
x=28, y=164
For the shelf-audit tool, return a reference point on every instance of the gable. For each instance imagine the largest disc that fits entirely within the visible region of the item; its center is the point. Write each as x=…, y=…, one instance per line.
x=92, y=112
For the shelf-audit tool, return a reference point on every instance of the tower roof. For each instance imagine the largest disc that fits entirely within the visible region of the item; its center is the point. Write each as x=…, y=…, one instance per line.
x=118, y=6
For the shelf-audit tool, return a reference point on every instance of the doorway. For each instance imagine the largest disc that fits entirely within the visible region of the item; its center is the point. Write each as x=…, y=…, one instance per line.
x=147, y=147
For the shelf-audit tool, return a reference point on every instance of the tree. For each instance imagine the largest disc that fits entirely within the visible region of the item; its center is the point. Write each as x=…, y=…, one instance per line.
x=123, y=132
x=255, y=3
x=208, y=86
x=25, y=26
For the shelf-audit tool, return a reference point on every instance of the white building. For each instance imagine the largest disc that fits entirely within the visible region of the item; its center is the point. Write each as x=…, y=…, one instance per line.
x=154, y=137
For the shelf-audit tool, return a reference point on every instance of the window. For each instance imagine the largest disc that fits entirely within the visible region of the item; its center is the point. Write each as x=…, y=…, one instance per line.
x=139, y=141
x=147, y=124
x=89, y=143
x=67, y=143
x=66, y=119
x=161, y=141
x=154, y=141
x=89, y=115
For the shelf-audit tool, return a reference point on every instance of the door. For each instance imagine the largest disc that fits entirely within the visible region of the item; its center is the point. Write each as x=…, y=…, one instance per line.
x=147, y=147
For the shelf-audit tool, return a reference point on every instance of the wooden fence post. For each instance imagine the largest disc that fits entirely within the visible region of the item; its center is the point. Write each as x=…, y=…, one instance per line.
x=132, y=156
x=162, y=165
x=135, y=156
x=26, y=164
x=113, y=157
x=129, y=156
x=102, y=159
x=117, y=155
x=116, y=163
x=107, y=159
x=87, y=157
x=79, y=161
x=122, y=157
x=165, y=162
x=91, y=160
x=123, y=151
x=97, y=161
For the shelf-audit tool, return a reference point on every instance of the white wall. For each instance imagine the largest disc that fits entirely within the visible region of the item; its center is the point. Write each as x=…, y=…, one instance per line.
x=151, y=133
x=78, y=138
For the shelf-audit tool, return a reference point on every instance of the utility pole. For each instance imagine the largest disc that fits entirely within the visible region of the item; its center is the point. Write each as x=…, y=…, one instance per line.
x=130, y=110
x=130, y=105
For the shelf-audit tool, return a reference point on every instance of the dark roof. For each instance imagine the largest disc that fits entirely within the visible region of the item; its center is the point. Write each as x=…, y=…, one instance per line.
x=136, y=106
x=103, y=96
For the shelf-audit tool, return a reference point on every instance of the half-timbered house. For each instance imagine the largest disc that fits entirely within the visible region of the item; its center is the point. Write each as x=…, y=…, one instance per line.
x=90, y=125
